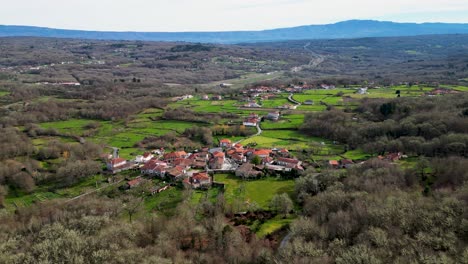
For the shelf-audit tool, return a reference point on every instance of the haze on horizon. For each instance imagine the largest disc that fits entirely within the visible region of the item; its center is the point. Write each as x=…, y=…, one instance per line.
x=217, y=15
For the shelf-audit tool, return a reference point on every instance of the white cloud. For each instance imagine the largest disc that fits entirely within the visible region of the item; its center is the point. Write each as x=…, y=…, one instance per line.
x=208, y=15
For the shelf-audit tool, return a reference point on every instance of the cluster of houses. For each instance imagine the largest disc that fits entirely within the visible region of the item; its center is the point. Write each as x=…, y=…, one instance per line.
x=193, y=169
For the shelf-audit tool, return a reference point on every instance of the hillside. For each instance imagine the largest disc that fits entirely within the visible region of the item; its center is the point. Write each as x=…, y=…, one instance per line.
x=435, y=58
x=304, y=151
x=345, y=29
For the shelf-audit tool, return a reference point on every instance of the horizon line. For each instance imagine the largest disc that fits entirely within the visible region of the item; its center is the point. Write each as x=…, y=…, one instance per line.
x=241, y=30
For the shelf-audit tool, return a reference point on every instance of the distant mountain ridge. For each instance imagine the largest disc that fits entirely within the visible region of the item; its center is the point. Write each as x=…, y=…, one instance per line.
x=345, y=29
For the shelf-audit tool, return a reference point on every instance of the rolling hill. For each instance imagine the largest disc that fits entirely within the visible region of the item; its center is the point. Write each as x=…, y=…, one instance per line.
x=345, y=29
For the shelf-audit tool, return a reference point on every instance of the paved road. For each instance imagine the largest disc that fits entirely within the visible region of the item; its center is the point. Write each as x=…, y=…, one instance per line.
x=291, y=99
x=315, y=60
x=259, y=132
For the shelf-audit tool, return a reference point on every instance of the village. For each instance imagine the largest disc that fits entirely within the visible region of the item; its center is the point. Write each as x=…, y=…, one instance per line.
x=198, y=169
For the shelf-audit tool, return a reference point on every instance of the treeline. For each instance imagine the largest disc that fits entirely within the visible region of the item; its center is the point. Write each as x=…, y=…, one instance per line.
x=92, y=230
x=113, y=108
x=430, y=126
x=21, y=170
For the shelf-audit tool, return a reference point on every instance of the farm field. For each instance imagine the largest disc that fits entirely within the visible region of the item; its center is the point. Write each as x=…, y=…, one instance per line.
x=256, y=191
x=117, y=134
x=246, y=79
x=16, y=199
x=287, y=121
x=164, y=202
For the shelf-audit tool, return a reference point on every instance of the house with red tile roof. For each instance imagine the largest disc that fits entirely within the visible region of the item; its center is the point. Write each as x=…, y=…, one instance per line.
x=334, y=164
x=225, y=143
x=282, y=152
x=185, y=163
x=262, y=153
x=238, y=158
x=176, y=172
x=154, y=168
x=217, y=163
x=267, y=160
x=198, y=180
x=289, y=163
x=115, y=163
x=174, y=155
x=134, y=183
x=218, y=154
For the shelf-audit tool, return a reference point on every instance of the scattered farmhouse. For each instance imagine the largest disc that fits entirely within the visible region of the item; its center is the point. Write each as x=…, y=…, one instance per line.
x=252, y=120
x=273, y=116
x=287, y=106
x=309, y=102
x=225, y=85
x=362, y=90
x=134, y=183
x=334, y=164
x=327, y=86
x=252, y=105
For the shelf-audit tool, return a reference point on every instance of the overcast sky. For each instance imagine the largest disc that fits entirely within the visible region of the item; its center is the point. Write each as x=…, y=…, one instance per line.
x=220, y=15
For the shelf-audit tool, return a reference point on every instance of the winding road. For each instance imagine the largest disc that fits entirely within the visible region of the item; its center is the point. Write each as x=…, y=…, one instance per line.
x=314, y=62
x=259, y=132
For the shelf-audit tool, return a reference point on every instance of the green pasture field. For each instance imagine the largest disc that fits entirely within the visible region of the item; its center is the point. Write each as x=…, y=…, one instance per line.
x=356, y=154
x=72, y=126
x=199, y=195
x=43, y=193
x=259, y=191
x=281, y=99
x=272, y=225
x=293, y=121
x=207, y=106
x=117, y=134
x=164, y=202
